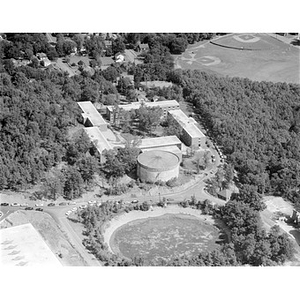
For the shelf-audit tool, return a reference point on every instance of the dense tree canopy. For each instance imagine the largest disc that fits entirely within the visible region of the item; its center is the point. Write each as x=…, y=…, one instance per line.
x=254, y=123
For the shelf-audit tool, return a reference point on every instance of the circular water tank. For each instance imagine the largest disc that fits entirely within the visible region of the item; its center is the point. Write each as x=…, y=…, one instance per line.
x=157, y=165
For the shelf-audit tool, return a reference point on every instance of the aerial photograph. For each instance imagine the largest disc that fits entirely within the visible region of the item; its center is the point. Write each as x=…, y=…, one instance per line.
x=136, y=149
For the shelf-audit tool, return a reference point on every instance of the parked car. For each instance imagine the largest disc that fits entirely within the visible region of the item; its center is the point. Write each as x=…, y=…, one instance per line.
x=39, y=204
x=134, y=201
x=72, y=203
x=15, y=204
x=62, y=203
x=4, y=204
x=29, y=208
x=24, y=204
x=51, y=204
x=67, y=213
x=39, y=209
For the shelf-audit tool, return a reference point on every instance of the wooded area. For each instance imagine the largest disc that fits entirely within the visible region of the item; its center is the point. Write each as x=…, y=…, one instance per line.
x=256, y=125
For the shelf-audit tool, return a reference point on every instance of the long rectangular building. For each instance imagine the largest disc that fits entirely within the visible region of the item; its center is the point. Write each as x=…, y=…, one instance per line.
x=91, y=117
x=166, y=106
x=99, y=140
x=191, y=135
x=158, y=142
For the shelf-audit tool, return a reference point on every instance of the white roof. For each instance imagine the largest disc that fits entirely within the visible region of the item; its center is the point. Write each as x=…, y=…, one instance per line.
x=23, y=246
x=91, y=113
x=137, y=105
x=159, y=142
x=98, y=139
x=173, y=149
x=188, y=124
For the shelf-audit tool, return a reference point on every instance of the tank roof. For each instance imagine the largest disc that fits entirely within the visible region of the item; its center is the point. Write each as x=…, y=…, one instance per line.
x=158, y=160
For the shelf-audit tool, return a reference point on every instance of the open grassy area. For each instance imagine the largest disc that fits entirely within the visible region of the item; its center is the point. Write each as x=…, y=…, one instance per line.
x=165, y=236
x=270, y=59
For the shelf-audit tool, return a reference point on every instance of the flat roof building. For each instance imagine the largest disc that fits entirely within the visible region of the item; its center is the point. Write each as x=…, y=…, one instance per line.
x=166, y=106
x=191, y=135
x=24, y=246
x=164, y=141
x=99, y=141
x=91, y=117
x=156, y=84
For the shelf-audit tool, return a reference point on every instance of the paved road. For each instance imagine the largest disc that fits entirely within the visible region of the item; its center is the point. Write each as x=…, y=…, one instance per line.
x=58, y=212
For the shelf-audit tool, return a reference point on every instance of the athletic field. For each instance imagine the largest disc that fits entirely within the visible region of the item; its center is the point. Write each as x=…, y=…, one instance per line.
x=258, y=57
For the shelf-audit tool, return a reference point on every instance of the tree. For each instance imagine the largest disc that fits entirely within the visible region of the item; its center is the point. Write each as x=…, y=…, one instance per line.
x=228, y=174
x=68, y=47
x=53, y=185
x=248, y=194
x=113, y=167
x=199, y=162
x=178, y=45
x=94, y=46
x=124, y=85
x=118, y=45
x=149, y=118
x=110, y=74
x=127, y=156
x=124, y=119
x=73, y=183
x=87, y=168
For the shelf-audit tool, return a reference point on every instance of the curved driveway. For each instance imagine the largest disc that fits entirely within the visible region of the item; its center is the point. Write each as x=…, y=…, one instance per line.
x=58, y=212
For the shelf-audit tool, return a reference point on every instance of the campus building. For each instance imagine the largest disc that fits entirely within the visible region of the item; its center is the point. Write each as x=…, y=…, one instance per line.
x=99, y=141
x=23, y=245
x=112, y=112
x=91, y=117
x=167, y=143
x=192, y=136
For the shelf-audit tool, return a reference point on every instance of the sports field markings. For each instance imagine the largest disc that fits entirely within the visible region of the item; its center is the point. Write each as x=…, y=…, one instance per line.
x=203, y=60
x=246, y=38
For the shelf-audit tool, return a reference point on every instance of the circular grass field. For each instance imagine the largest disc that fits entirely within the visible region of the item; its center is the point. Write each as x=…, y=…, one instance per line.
x=163, y=237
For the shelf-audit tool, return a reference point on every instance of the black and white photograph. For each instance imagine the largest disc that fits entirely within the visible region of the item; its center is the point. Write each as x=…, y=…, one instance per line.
x=149, y=149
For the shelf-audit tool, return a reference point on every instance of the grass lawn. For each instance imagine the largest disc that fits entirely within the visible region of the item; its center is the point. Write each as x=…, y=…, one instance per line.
x=275, y=61
x=166, y=236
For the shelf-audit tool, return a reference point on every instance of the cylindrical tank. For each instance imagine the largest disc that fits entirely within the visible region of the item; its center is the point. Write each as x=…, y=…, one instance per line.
x=157, y=165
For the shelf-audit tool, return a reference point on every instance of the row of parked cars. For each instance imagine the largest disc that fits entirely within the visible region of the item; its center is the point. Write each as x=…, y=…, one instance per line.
x=31, y=208
x=37, y=204
x=74, y=209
